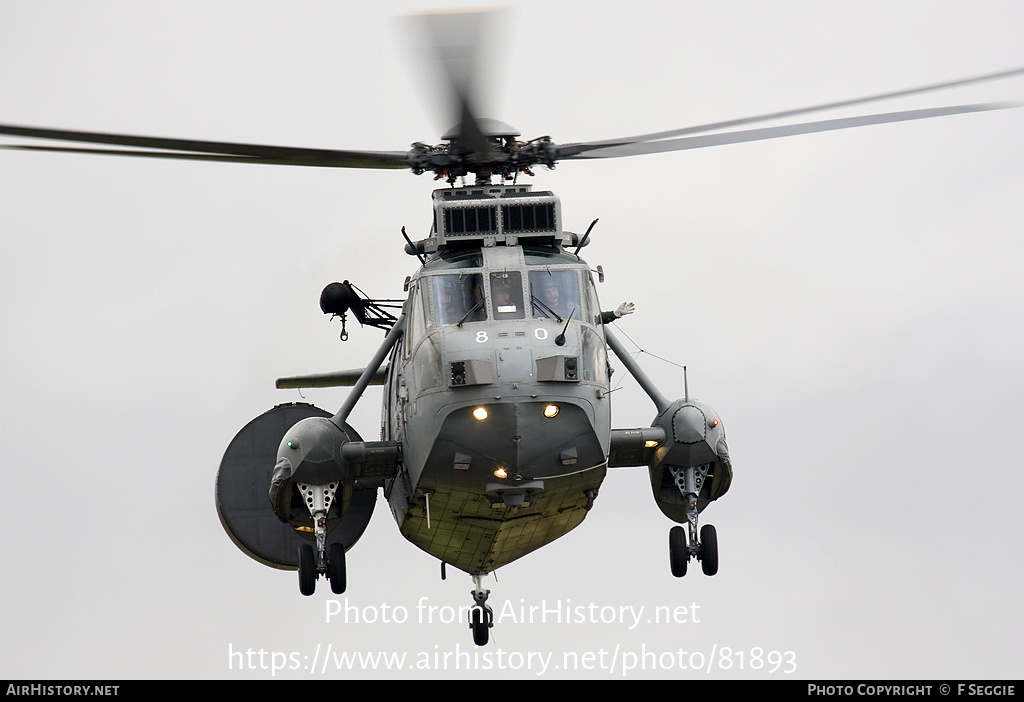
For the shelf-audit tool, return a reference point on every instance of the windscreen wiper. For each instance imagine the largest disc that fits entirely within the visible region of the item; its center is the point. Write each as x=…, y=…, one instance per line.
x=474, y=309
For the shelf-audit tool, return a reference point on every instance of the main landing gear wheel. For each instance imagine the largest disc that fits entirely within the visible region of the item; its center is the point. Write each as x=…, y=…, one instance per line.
x=307, y=570
x=690, y=480
x=677, y=551
x=708, y=549
x=705, y=549
x=336, y=568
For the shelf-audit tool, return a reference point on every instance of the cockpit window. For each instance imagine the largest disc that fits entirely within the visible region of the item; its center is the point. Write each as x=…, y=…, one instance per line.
x=555, y=293
x=458, y=298
x=592, y=303
x=507, y=295
x=417, y=322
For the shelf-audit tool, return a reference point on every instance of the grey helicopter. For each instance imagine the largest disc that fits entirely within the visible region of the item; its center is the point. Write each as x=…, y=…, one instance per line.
x=496, y=432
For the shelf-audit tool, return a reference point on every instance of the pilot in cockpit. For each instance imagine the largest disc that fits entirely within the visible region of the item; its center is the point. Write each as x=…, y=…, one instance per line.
x=448, y=294
x=458, y=298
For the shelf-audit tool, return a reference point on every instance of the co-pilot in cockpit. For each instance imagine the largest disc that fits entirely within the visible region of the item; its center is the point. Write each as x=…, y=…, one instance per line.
x=555, y=293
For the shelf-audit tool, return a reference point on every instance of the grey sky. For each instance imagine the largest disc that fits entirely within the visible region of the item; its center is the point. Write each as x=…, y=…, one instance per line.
x=850, y=303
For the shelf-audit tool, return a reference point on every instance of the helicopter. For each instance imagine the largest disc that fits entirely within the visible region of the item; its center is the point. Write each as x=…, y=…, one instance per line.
x=501, y=355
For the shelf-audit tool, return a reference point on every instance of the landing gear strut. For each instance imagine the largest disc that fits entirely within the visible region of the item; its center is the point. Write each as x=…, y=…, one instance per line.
x=329, y=562
x=705, y=547
x=481, y=616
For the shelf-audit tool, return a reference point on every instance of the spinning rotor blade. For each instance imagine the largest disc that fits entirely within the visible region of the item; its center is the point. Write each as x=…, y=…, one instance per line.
x=485, y=146
x=574, y=150
x=209, y=150
x=699, y=142
x=456, y=38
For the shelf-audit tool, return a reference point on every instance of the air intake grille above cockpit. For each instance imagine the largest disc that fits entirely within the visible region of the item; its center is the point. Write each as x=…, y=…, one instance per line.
x=498, y=214
x=528, y=217
x=459, y=221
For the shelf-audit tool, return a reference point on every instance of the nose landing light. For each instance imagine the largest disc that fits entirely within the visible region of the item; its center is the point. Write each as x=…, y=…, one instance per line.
x=551, y=411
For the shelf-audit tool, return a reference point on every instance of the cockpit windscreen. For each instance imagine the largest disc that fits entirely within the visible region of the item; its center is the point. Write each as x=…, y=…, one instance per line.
x=555, y=293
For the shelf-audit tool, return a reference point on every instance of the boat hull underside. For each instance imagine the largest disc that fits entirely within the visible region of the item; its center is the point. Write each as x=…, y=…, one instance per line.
x=478, y=521
x=467, y=532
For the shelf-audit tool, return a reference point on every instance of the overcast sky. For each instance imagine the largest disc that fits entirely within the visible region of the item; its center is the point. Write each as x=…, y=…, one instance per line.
x=851, y=303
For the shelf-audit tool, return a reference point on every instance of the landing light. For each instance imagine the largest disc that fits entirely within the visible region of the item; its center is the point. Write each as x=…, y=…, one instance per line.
x=480, y=413
x=551, y=411
x=650, y=443
x=500, y=473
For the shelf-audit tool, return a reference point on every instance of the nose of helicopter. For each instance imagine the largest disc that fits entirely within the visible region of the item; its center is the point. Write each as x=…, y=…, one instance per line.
x=516, y=440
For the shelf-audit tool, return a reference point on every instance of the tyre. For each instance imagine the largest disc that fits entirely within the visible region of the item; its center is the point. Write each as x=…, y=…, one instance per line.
x=481, y=631
x=336, y=568
x=307, y=570
x=677, y=550
x=708, y=549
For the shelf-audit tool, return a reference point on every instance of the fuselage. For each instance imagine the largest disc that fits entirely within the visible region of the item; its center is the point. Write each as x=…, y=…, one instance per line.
x=498, y=395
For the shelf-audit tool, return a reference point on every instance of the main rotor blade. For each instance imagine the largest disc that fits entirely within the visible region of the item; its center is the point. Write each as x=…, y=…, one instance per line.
x=455, y=40
x=223, y=151
x=699, y=142
x=572, y=149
